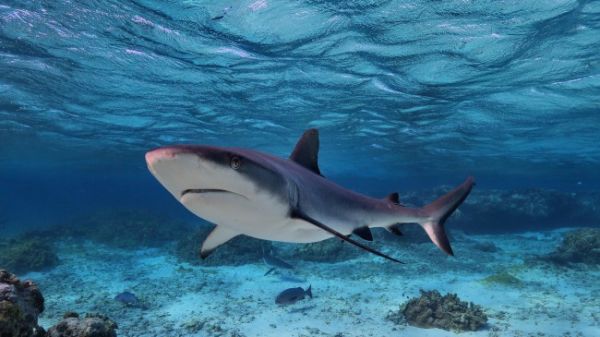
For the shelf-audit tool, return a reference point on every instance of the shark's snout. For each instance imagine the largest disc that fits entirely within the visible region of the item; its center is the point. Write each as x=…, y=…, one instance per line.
x=163, y=153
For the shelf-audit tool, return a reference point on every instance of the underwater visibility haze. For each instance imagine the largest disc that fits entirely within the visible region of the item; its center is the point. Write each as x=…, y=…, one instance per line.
x=129, y=129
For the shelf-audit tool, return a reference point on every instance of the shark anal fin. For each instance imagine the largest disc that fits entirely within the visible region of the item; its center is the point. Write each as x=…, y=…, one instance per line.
x=306, y=152
x=395, y=229
x=298, y=214
x=218, y=236
x=364, y=233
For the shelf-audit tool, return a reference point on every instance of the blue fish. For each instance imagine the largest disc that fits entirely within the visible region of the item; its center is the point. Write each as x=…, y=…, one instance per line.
x=129, y=299
x=293, y=295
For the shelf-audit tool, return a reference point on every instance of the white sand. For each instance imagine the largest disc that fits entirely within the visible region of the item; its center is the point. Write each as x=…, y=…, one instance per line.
x=350, y=298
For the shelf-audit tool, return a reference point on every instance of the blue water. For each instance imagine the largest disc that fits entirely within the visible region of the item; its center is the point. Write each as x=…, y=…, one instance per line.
x=407, y=95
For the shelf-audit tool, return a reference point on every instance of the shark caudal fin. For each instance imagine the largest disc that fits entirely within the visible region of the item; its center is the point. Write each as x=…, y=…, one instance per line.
x=308, y=291
x=438, y=212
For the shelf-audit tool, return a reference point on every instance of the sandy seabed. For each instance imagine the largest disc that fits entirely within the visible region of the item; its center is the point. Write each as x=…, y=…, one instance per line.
x=351, y=298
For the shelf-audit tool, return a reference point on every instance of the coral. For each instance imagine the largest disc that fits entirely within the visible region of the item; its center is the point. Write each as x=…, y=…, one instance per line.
x=503, y=278
x=240, y=250
x=20, y=305
x=26, y=254
x=92, y=325
x=432, y=310
x=578, y=246
x=125, y=228
x=330, y=250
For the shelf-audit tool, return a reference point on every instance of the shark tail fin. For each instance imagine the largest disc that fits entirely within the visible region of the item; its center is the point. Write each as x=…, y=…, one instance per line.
x=440, y=210
x=309, y=291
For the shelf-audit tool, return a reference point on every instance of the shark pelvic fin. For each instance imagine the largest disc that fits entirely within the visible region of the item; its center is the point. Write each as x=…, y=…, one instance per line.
x=218, y=236
x=306, y=152
x=298, y=214
x=395, y=229
x=364, y=233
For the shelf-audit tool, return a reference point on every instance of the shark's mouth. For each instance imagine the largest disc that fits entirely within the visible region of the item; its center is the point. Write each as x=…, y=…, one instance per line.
x=207, y=190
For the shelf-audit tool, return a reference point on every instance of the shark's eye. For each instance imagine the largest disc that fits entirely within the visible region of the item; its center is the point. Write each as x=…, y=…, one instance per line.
x=236, y=162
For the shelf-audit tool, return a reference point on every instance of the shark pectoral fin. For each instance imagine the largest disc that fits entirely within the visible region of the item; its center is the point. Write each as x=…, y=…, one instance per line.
x=269, y=271
x=218, y=236
x=298, y=214
x=364, y=233
x=306, y=152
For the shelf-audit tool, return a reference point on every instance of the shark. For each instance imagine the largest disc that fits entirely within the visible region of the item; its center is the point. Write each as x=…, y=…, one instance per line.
x=243, y=191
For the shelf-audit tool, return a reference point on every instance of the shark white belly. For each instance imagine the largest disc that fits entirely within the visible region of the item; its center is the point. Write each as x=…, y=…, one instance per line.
x=262, y=217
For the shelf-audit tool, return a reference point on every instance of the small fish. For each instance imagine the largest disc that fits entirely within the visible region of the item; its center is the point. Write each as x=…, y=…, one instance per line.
x=293, y=295
x=274, y=262
x=219, y=17
x=129, y=299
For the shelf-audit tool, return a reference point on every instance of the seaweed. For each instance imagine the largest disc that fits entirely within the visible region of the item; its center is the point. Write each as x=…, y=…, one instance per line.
x=503, y=278
x=432, y=310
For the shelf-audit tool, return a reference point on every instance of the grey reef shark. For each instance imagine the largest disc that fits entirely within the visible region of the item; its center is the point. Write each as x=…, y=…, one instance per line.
x=248, y=192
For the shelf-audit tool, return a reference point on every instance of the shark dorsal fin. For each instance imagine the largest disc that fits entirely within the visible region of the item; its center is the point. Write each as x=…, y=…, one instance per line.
x=306, y=152
x=393, y=197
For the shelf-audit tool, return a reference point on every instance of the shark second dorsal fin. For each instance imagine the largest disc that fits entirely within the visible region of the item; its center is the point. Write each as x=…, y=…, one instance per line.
x=306, y=152
x=393, y=197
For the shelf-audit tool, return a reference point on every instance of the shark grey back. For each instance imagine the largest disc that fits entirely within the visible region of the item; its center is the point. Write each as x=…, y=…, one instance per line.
x=248, y=192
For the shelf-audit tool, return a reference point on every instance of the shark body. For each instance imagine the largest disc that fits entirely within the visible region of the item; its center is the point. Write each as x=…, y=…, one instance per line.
x=247, y=192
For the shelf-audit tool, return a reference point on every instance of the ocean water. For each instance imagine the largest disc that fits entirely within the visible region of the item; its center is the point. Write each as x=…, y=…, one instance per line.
x=408, y=96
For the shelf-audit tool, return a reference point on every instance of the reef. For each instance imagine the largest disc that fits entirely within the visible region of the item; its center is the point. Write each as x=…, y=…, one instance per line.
x=432, y=310
x=92, y=325
x=515, y=210
x=20, y=305
x=578, y=246
x=25, y=254
x=124, y=229
x=240, y=250
x=330, y=250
